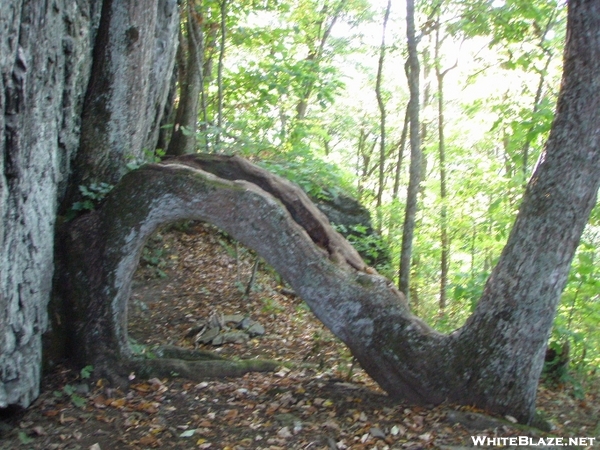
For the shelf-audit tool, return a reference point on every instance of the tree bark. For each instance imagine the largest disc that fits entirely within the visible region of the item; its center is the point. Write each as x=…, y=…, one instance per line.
x=133, y=61
x=183, y=139
x=45, y=61
x=414, y=182
x=47, y=52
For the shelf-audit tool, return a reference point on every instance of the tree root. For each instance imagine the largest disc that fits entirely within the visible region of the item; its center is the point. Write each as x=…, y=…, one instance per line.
x=199, y=369
x=186, y=354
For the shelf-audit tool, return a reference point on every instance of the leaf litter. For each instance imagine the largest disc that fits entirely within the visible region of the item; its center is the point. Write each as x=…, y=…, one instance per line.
x=317, y=399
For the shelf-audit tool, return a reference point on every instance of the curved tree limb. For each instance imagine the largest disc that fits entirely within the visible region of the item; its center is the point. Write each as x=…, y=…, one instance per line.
x=102, y=250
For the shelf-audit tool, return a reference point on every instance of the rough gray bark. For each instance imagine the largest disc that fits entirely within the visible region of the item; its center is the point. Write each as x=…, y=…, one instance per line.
x=46, y=53
x=519, y=302
x=133, y=61
x=493, y=362
x=45, y=60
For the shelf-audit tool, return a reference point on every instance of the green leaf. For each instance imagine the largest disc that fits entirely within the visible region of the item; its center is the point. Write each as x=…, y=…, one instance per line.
x=24, y=438
x=78, y=401
x=86, y=372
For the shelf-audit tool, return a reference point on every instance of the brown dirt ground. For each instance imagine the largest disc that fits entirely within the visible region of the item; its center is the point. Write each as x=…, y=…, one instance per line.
x=319, y=402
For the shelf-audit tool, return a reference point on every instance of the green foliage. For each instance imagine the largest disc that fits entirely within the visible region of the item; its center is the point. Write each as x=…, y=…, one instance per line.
x=271, y=306
x=24, y=438
x=369, y=245
x=141, y=350
x=466, y=289
x=318, y=178
x=155, y=259
x=156, y=252
x=86, y=372
x=71, y=392
x=92, y=196
x=579, y=311
x=150, y=156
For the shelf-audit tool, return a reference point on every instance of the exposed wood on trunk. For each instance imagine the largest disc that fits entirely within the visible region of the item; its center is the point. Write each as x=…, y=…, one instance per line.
x=295, y=200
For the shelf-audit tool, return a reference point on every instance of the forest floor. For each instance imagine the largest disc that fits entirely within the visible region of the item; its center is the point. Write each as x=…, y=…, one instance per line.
x=317, y=400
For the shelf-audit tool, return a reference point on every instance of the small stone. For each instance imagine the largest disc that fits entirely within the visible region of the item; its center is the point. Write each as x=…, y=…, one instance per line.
x=233, y=318
x=377, y=433
x=284, y=433
x=199, y=328
x=82, y=389
x=286, y=419
x=256, y=330
x=246, y=323
x=209, y=335
x=233, y=337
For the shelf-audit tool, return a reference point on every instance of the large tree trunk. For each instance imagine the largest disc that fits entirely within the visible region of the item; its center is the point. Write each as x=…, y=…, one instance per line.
x=515, y=314
x=45, y=61
x=134, y=55
x=46, y=54
x=493, y=362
